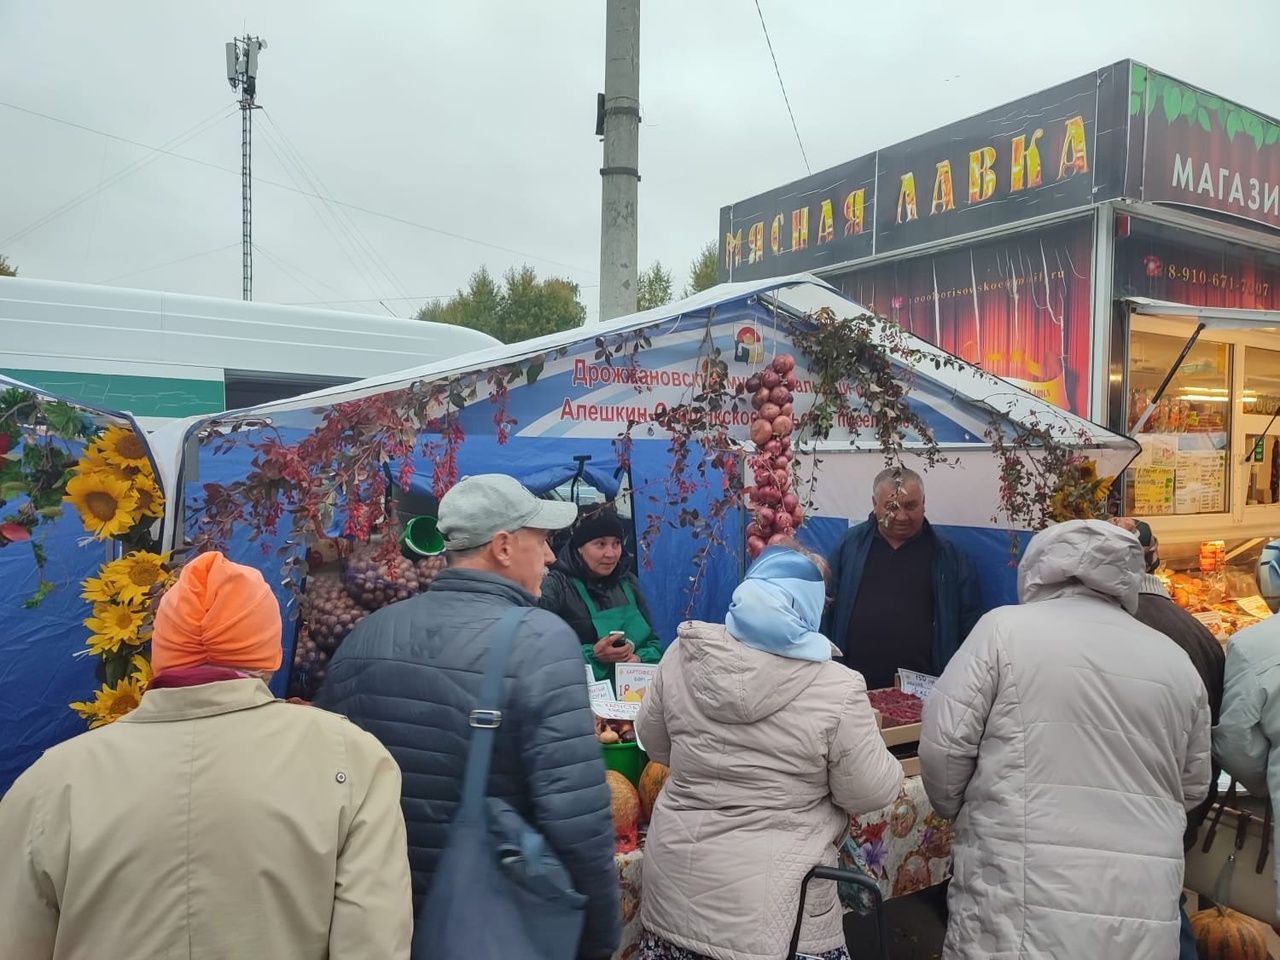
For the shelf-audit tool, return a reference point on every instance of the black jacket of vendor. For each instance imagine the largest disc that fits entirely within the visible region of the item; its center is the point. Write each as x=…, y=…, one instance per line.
x=955, y=598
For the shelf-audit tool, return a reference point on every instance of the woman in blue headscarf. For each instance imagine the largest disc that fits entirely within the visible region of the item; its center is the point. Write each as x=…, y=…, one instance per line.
x=771, y=746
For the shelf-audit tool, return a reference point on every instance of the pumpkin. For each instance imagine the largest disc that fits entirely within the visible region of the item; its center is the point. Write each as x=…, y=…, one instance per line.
x=626, y=811
x=651, y=783
x=1224, y=934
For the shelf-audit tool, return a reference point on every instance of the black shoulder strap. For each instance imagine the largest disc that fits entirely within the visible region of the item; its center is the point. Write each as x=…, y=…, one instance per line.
x=487, y=716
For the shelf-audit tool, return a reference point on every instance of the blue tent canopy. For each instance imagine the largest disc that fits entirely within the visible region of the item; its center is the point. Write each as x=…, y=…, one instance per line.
x=591, y=382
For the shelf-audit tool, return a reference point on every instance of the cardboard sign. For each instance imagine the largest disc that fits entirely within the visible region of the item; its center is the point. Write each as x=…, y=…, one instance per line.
x=1212, y=619
x=917, y=684
x=1254, y=606
x=600, y=691
x=616, y=709
x=634, y=680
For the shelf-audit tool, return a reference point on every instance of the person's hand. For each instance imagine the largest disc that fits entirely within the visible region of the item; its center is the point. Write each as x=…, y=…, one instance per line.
x=606, y=652
x=632, y=659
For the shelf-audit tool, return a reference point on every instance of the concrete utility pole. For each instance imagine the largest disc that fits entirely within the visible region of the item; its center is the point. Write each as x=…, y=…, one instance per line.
x=242, y=73
x=618, y=121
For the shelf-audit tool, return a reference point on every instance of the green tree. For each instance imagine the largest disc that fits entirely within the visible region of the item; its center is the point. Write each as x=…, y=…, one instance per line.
x=704, y=271
x=7, y=269
x=654, y=287
x=521, y=308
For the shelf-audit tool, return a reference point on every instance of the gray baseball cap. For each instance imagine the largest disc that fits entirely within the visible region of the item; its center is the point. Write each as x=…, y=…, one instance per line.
x=479, y=508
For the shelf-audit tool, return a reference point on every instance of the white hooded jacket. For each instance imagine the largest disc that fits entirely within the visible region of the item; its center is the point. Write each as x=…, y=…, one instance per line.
x=1068, y=740
x=768, y=758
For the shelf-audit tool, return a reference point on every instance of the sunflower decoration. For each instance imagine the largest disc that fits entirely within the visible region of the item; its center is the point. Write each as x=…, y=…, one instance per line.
x=1081, y=493
x=123, y=448
x=111, y=702
x=97, y=590
x=107, y=504
x=134, y=576
x=150, y=499
x=114, y=624
x=141, y=670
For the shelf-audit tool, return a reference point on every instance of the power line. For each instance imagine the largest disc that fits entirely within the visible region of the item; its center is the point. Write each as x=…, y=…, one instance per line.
x=319, y=186
x=187, y=135
x=294, y=268
x=785, y=98
x=169, y=263
x=336, y=227
x=319, y=210
x=284, y=186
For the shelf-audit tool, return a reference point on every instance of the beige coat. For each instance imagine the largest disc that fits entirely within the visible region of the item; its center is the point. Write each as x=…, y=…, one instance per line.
x=768, y=758
x=212, y=822
x=1070, y=740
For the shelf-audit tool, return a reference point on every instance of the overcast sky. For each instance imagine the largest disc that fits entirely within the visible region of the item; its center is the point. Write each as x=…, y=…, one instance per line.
x=476, y=117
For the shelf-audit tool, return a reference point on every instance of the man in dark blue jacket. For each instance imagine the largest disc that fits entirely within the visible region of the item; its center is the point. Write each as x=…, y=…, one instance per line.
x=410, y=675
x=905, y=597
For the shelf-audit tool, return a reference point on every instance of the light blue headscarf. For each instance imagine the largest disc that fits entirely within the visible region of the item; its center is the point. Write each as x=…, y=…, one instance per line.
x=778, y=607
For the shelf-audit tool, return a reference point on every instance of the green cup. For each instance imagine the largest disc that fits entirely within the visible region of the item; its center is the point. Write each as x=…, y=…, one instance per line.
x=421, y=538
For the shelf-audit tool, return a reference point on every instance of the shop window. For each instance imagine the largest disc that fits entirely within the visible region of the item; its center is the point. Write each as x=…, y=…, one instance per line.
x=1183, y=467
x=1261, y=381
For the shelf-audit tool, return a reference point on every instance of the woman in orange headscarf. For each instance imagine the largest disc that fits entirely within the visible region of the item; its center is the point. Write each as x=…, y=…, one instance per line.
x=214, y=819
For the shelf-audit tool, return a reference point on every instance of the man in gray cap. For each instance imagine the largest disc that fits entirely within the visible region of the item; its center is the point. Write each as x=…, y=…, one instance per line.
x=410, y=675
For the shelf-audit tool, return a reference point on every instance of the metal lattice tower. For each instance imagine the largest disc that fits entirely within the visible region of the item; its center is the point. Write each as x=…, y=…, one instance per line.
x=242, y=74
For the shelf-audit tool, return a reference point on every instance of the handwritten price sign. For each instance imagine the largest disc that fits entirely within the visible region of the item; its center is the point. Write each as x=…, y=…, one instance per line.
x=633, y=680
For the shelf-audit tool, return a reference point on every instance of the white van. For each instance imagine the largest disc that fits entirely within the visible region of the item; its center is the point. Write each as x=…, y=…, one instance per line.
x=162, y=356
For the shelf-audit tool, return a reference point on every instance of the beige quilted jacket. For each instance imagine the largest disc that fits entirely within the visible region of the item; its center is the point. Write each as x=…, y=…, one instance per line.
x=768, y=758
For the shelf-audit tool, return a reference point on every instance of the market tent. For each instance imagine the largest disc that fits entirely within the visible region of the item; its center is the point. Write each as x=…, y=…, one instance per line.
x=576, y=391
x=44, y=664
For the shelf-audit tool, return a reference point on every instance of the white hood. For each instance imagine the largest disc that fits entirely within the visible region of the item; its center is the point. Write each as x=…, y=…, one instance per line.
x=1082, y=556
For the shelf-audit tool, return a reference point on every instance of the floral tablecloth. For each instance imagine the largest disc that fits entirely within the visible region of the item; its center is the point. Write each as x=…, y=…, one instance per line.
x=905, y=847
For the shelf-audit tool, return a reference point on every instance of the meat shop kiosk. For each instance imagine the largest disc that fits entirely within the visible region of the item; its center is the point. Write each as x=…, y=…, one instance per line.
x=1112, y=244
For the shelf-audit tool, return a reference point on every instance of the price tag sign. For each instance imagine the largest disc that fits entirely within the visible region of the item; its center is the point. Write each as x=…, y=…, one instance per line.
x=616, y=709
x=1254, y=606
x=634, y=680
x=916, y=684
x=600, y=691
x=1212, y=620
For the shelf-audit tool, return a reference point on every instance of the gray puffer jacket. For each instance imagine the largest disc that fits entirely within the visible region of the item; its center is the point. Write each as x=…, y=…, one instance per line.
x=1068, y=740
x=410, y=675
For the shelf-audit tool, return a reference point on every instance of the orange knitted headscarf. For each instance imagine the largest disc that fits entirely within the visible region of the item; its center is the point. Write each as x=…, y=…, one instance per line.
x=218, y=612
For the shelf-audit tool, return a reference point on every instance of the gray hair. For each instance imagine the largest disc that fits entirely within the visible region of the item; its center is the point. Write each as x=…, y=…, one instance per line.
x=899, y=476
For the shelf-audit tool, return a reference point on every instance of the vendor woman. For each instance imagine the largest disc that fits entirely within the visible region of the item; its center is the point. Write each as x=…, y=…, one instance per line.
x=591, y=586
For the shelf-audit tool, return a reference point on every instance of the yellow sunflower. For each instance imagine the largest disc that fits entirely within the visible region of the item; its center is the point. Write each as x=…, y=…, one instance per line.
x=98, y=589
x=134, y=575
x=111, y=703
x=150, y=499
x=106, y=503
x=141, y=670
x=123, y=447
x=113, y=624
x=93, y=460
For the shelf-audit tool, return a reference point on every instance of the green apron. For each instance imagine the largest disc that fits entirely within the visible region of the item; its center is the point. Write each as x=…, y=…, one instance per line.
x=626, y=618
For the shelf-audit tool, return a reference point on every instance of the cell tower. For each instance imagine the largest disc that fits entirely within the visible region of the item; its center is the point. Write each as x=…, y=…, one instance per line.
x=242, y=74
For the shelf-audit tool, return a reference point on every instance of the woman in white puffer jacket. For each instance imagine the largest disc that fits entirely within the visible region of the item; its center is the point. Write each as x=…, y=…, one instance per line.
x=1070, y=740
